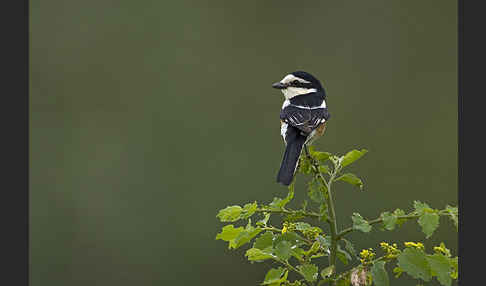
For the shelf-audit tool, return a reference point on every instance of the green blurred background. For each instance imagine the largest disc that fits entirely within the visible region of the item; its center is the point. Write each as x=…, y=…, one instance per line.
x=147, y=117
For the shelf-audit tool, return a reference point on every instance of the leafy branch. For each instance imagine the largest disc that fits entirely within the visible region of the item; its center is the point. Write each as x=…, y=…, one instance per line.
x=296, y=244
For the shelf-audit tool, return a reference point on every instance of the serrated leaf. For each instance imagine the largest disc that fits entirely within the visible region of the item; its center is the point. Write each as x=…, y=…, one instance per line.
x=324, y=241
x=327, y=272
x=315, y=191
x=359, y=223
x=229, y=214
x=255, y=254
x=309, y=271
x=398, y=213
x=323, y=212
x=453, y=215
x=245, y=236
x=282, y=250
x=229, y=233
x=441, y=267
x=420, y=207
x=302, y=226
x=389, y=220
x=351, y=179
x=379, y=274
x=429, y=223
x=414, y=263
x=275, y=276
x=290, y=236
x=352, y=156
x=264, y=241
x=249, y=210
x=304, y=165
x=279, y=203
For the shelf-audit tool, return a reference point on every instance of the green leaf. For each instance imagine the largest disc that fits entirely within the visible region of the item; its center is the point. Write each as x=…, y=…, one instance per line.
x=290, y=236
x=349, y=247
x=420, y=207
x=321, y=156
x=441, y=267
x=352, y=156
x=429, y=223
x=453, y=215
x=255, y=254
x=302, y=226
x=414, y=263
x=359, y=223
x=264, y=241
x=249, y=210
x=379, y=274
x=324, y=169
x=351, y=179
x=397, y=213
x=282, y=250
x=309, y=271
x=245, y=236
x=278, y=203
x=297, y=253
x=274, y=276
x=324, y=241
x=343, y=255
x=389, y=220
x=304, y=165
x=229, y=233
x=230, y=214
x=264, y=220
x=315, y=191
x=327, y=272
x=323, y=212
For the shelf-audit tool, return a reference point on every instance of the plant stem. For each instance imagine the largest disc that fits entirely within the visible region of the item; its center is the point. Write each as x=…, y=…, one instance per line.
x=286, y=211
x=375, y=221
x=332, y=222
x=330, y=209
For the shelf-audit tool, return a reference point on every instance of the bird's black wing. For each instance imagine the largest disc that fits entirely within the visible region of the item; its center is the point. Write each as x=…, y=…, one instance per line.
x=304, y=119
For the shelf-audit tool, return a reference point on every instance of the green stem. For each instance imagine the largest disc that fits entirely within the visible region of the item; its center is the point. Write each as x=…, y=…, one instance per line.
x=287, y=211
x=330, y=207
x=378, y=220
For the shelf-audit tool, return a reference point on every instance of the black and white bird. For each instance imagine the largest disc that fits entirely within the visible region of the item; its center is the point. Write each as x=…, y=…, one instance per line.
x=303, y=118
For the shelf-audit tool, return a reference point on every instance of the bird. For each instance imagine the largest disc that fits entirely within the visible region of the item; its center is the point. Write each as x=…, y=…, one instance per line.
x=303, y=118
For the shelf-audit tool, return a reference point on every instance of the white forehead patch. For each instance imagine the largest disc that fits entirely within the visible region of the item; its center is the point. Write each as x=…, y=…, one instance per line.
x=290, y=77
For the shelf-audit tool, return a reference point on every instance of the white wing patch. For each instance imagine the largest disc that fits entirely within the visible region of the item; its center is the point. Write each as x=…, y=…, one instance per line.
x=285, y=103
x=283, y=130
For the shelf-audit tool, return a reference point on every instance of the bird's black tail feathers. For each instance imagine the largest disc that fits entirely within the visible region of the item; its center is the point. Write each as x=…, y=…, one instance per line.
x=295, y=142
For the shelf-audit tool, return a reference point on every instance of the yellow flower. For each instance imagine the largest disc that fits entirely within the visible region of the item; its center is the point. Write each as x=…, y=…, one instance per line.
x=391, y=250
x=367, y=256
x=284, y=229
x=417, y=245
x=442, y=250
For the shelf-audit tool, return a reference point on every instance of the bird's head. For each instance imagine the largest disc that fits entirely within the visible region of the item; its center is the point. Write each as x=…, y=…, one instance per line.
x=298, y=83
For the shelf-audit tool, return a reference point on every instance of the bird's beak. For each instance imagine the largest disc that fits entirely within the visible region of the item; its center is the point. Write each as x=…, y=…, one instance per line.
x=279, y=85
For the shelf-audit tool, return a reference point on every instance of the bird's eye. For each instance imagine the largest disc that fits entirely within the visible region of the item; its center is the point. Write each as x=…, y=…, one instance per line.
x=295, y=82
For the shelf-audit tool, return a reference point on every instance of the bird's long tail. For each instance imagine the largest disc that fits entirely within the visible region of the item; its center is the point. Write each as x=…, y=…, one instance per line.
x=295, y=142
